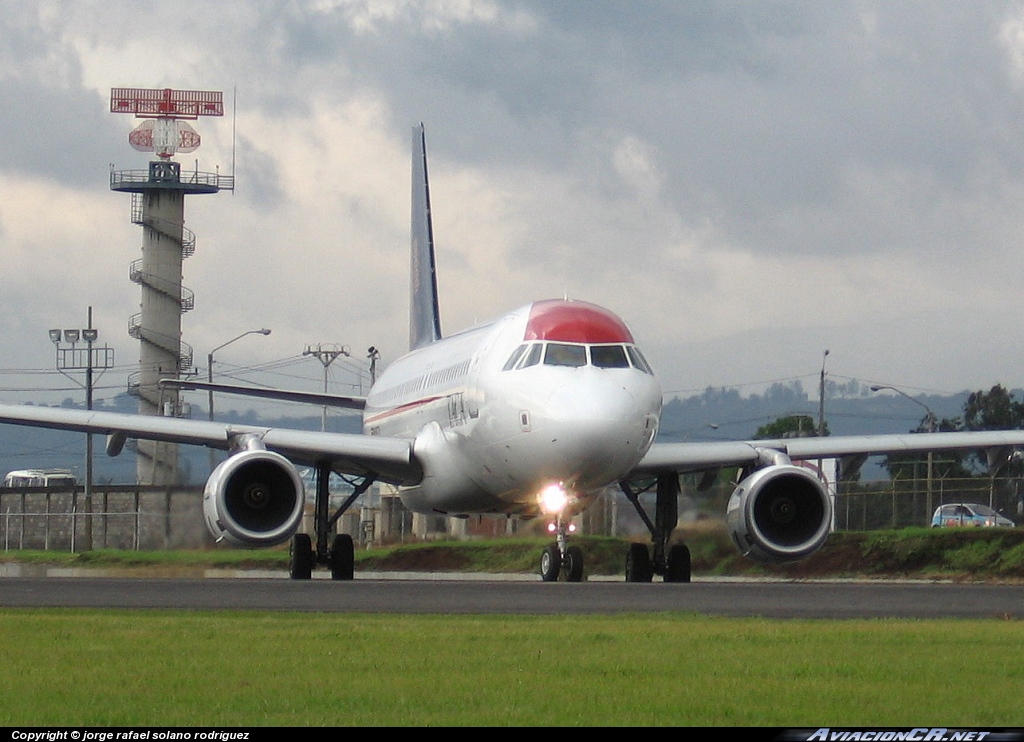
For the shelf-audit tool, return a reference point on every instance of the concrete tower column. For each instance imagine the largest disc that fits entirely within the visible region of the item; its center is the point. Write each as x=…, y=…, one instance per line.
x=160, y=357
x=158, y=205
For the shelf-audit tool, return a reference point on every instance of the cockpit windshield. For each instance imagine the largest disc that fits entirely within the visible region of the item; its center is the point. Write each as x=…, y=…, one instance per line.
x=575, y=355
x=563, y=354
x=609, y=356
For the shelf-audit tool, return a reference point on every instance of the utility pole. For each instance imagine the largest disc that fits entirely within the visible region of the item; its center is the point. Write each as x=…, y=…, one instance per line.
x=326, y=356
x=821, y=433
x=821, y=396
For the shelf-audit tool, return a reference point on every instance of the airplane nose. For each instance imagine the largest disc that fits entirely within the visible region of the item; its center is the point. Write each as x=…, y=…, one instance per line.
x=593, y=403
x=597, y=430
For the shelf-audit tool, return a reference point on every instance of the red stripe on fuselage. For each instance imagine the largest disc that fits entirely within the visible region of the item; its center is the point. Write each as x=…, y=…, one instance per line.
x=575, y=322
x=400, y=409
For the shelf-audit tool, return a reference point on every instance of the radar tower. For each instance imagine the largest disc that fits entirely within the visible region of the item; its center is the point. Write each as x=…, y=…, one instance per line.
x=158, y=205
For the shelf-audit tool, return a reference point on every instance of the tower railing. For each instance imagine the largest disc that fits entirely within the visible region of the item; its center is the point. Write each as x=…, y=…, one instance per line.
x=185, y=297
x=172, y=345
x=124, y=180
x=188, y=237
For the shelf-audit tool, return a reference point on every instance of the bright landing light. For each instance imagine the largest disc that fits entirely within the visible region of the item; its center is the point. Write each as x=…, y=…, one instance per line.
x=553, y=499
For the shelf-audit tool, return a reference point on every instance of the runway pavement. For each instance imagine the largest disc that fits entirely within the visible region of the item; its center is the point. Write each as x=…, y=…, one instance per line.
x=828, y=600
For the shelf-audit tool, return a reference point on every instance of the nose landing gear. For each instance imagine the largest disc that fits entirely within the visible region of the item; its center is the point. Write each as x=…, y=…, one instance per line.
x=560, y=557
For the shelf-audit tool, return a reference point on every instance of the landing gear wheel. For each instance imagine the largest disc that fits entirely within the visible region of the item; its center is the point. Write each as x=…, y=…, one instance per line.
x=300, y=557
x=639, y=567
x=343, y=558
x=678, y=567
x=573, y=564
x=550, y=563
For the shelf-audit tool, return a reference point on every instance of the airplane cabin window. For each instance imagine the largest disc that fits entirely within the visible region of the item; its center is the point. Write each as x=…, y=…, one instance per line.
x=559, y=354
x=638, y=359
x=609, y=356
x=514, y=358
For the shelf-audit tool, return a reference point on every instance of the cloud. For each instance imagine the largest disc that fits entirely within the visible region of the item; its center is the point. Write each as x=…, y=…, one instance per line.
x=809, y=173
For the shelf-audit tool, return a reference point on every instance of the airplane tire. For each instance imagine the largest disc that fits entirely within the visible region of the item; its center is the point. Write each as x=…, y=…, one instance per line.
x=550, y=563
x=343, y=557
x=678, y=567
x=300, y=557
x=639, y=567
x=574, y=564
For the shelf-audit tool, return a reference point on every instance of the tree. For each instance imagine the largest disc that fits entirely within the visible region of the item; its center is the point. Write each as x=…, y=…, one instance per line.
x=789, y=426
x=993, y=410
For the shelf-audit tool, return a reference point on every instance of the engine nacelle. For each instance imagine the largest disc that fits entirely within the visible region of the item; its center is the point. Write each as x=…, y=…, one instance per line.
x=779, y=513
x=254, y=498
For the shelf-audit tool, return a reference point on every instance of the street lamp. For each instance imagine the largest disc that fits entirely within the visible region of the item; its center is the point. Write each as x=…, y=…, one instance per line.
x=209, y=378
x=209, y=366
x=930, y=417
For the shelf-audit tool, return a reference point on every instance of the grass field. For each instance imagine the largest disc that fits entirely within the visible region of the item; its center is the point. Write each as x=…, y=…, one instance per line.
x=98, y=668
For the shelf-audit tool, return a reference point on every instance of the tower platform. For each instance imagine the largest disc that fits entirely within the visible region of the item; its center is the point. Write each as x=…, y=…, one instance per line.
x=168, y=176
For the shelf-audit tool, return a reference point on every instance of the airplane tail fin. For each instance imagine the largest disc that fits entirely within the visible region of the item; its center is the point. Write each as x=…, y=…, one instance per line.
x=424, y=315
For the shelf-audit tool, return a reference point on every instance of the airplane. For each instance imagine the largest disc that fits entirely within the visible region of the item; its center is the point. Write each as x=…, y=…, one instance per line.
x=530, y=415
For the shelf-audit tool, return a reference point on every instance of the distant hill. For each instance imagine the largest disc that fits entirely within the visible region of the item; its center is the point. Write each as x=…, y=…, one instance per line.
x=851, y=409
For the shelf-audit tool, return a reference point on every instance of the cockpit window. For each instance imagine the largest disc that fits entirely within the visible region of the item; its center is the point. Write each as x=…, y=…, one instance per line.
x=609, y=356
x=575, y=355
x=638, y=360
x=514, y=358
x=533, y=357
x=560, y=354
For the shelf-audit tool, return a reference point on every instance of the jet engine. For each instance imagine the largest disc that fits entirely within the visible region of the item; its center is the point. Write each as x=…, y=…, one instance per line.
x=779, y=513
x=254, y=498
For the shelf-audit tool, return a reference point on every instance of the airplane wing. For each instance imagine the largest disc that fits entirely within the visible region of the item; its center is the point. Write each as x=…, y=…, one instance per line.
x=781, y=511
x=690, y=457
x=389, y=458
x=331, y=400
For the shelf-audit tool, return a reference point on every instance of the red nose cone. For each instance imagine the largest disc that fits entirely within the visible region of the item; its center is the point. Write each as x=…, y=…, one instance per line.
x=575, y=322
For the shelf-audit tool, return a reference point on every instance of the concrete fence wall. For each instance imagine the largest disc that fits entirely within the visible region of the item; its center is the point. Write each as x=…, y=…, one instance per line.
x=114, y=517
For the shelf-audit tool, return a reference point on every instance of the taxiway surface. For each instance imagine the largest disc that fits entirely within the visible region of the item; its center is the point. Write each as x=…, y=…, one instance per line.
x=829, y=600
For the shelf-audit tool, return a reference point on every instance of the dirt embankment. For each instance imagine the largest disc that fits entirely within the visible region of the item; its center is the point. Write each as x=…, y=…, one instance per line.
x=987, y=554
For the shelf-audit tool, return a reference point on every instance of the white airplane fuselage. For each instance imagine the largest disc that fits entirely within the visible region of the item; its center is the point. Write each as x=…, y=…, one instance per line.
x=554, y=393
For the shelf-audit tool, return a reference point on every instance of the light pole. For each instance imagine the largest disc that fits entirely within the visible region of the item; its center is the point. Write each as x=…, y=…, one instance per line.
x=85, y=359
x=931, y=429
x=209, y=374
x=374, y=355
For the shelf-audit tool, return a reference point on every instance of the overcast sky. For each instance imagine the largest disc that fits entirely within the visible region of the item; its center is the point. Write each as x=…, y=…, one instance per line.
x=746, y=184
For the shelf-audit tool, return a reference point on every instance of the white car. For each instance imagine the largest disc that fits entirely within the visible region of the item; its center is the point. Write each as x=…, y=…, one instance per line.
x=969, y=514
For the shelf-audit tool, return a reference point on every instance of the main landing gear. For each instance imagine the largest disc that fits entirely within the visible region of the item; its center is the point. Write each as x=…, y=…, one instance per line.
x=670, y=561
x=559, y=557
x=340, y=557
